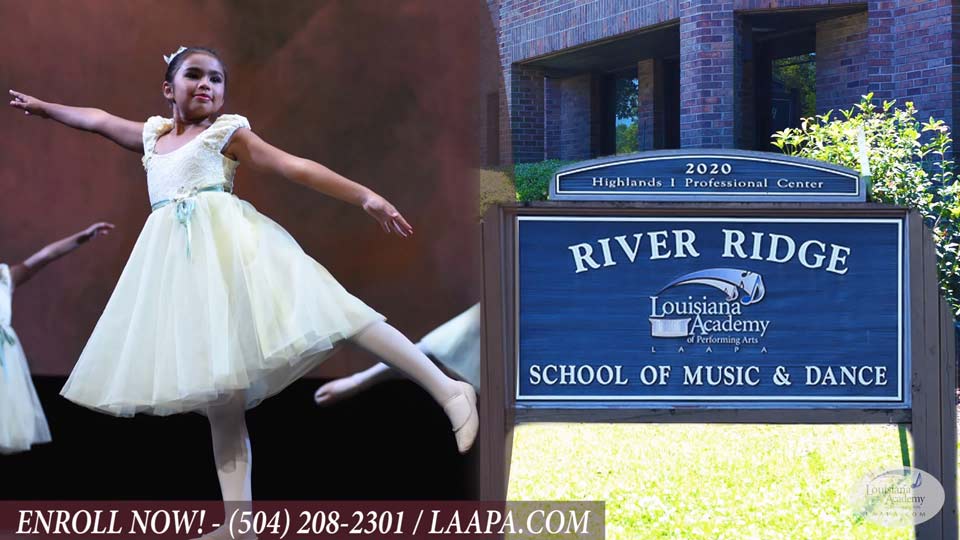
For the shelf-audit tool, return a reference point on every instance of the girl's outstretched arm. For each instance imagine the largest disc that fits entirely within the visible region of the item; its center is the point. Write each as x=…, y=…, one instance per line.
x=126, y=133
x=247, y=147
x=23, y=271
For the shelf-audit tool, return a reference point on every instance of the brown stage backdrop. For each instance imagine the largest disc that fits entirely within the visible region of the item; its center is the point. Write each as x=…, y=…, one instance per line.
x=383, y=92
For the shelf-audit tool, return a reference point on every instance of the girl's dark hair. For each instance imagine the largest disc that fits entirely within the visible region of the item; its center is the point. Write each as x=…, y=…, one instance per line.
x=177, y=61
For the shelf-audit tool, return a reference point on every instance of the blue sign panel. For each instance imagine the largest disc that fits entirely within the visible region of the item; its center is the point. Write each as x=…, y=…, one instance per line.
x=754, y=311
x=707, y=175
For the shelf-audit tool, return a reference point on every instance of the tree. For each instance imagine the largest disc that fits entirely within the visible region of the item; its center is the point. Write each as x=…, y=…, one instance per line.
x=910, y=166
x=626, y=98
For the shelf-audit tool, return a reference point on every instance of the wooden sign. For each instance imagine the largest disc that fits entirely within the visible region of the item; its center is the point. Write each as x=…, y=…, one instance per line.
x=632, y=312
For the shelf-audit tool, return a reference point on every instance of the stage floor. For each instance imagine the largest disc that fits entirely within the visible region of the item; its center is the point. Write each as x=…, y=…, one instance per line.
x=391, y=442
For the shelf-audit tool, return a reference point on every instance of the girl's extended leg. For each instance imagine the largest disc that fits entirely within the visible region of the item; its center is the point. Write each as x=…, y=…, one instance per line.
x=344, y=387
x=233, y=457
x=340, y=389
x=459, y=399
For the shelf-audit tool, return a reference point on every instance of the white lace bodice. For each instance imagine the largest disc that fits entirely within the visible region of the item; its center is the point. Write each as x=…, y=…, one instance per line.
x=194, y=165
x=6, y=293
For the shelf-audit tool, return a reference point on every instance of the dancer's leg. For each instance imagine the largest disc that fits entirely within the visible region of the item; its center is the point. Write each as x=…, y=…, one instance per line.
x=233, y=458
x=458, y=398
x=344, y=387
x=231, y=449
x=340, y=389
x=396, y=350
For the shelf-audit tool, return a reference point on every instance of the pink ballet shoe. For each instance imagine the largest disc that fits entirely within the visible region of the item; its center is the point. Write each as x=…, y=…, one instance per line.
x=461, y=408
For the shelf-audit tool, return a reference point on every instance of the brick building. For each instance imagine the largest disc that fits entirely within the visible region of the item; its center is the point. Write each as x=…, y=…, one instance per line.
x=705, y=73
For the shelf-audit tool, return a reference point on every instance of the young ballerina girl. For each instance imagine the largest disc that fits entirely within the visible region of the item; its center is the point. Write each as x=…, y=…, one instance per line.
x=22, y=422
x=218, y=307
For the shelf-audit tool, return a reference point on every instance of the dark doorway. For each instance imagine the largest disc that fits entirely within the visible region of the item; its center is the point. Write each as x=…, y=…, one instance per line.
x=779, y=69
x=793, y=92
x=625, y=130
x=615, y=97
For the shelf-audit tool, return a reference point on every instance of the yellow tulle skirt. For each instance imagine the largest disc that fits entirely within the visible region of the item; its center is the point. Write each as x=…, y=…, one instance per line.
x=245, y=312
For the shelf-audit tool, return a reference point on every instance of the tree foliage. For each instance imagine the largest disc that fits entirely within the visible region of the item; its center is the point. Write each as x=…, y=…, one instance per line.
x=627, y=138
x=910, y=164
x=626, y=98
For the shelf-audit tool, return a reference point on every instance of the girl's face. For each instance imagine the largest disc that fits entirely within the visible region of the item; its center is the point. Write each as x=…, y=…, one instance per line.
x=198, y=86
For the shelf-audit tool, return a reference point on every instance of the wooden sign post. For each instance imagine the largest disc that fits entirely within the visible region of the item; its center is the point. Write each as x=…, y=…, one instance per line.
x=782, y=312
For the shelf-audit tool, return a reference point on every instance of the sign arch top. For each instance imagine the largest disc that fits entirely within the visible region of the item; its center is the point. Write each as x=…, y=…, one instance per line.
x=707, y=175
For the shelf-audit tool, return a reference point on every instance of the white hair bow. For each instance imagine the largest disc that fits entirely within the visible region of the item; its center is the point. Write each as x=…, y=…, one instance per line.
x=170, y=58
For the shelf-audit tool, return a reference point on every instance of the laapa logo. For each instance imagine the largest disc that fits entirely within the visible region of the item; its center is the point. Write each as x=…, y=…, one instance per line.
x=740, y=288
x=897, y=497
x=729, y=280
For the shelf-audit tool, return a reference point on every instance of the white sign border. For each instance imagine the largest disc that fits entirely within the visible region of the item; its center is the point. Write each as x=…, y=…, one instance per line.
x=718, y=399
x=682, y=194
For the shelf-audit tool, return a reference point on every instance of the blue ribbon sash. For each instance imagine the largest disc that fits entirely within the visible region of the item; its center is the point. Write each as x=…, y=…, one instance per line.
x=186, y=203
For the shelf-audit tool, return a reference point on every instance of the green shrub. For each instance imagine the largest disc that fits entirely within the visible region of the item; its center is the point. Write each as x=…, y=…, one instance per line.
x=533, y=179
x=910, y=166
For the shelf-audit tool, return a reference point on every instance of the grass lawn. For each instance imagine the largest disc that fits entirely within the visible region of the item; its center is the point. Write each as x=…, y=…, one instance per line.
x=696, y=481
